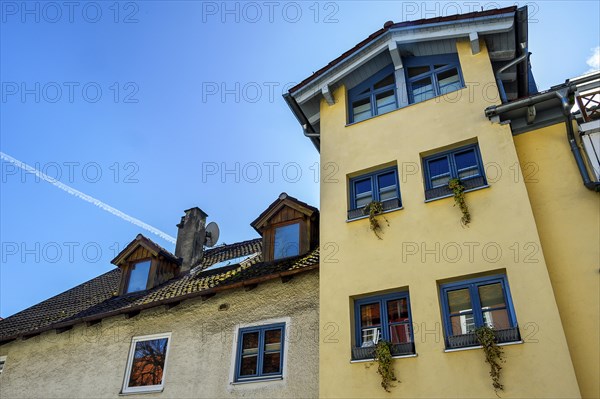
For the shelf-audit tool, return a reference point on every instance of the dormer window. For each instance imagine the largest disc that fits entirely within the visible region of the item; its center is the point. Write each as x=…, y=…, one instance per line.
x=138, y=276
x=287, y=241
x=375, y=96
x=288, y=228
x=145, y=265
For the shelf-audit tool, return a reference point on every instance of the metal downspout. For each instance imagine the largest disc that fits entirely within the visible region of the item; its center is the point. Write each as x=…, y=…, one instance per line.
x=585, y=176
x=504, y=68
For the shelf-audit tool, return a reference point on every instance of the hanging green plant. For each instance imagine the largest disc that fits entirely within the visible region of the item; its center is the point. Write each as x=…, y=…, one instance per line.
x=383, y=357
x=459, y=198
x=375, y=209
x=494, y=355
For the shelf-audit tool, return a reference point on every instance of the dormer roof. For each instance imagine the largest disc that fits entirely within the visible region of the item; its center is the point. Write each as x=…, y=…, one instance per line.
x=142, y=241
x=282, y=201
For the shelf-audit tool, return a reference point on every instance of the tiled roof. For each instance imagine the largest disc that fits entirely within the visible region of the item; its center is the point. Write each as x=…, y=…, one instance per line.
x=96, y=299
x=390, y=25
x=225, y=252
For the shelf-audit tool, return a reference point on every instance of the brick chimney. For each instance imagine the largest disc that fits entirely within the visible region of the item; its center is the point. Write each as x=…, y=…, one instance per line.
x=190, y=238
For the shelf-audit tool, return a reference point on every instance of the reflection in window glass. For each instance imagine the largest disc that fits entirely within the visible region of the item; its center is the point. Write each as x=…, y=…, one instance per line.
x=384, y=317
x=249, y=354
x=260, y=352
x=422, y=90
x=363, y=192
x=449, y=81
x=147, y=366
x=138, y=276
x=387, y=186
x=361, y=109
x=287, y=241
x=386, y=102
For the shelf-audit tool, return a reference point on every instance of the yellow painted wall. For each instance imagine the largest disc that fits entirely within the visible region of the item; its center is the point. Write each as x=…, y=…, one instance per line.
x=568, y=223
x=355, y=262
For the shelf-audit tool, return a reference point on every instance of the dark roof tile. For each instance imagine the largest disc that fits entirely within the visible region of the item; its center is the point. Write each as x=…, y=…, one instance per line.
x=97, y=298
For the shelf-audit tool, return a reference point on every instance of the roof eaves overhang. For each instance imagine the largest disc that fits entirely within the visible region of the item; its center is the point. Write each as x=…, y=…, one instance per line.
x=484, y=25
x=138, y=308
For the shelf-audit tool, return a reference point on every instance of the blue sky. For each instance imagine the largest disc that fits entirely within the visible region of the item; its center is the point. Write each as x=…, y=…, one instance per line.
x=154, y=107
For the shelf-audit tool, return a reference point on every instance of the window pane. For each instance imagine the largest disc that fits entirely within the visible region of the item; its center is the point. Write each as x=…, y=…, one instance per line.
x=388, y=80
x=287, y=241
x=362, y=192
x=387, y=186
x=249, y=354
x=138, y=277
x=437, y=66
x=400, y=333
x=361, y=109
x=386, y=102
x=459, y=301
x=272, y=340
x=370, y=336
x=370, y=315
x=462, y=324
x=449, y=81
x=497, y=319
x=438, y=166
x=148, y=362
x=362, y=186
x=492, y=296
x=387, y=179
x=397, y=310
x=422, y=90
x=414, y=71
x=271, y=363
x=249, y=364
x=465, y=159
x=439, y=171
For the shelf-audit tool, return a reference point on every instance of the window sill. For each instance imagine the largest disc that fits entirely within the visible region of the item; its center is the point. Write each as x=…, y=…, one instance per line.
x=265, y=379
x=467, y=348
x=393, y=357
x=366, y=216
x=451, y=195
x=156, y=390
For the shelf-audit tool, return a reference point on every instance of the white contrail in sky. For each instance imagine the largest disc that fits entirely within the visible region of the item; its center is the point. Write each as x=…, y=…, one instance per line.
x=87, y=198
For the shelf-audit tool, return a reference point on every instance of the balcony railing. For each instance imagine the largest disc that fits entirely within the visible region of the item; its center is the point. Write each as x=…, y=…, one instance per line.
x=359, y=353
x=589, y=105
x=466, y=340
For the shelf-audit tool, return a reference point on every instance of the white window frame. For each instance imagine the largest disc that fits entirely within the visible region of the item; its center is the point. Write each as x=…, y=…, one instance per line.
x=3, y=361
x=148, y=388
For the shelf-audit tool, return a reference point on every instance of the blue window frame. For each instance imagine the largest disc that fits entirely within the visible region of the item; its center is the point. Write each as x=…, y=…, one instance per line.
x=383, y=317
x=260, y=352
x=463, y=163
x=431, y=76
x=381, y=185
x=473, y=303
x=375, y=96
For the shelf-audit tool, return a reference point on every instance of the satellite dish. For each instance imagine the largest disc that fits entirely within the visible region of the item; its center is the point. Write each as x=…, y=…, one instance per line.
x=212, y=234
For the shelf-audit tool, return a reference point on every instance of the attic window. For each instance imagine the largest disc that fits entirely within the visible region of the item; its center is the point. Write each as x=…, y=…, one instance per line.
x=138, y=276
x=374, y=96
x=432, y=76
x=287, y=241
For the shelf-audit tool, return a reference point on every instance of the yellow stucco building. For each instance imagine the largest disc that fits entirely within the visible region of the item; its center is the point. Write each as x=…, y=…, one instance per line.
x=396, y=119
